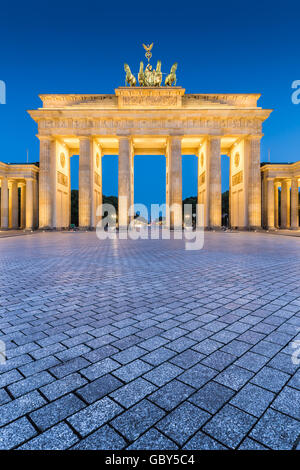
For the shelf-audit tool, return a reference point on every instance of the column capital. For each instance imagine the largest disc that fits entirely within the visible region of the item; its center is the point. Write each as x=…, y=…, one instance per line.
x=43, y=138
x=123, y=134
x=257, y=137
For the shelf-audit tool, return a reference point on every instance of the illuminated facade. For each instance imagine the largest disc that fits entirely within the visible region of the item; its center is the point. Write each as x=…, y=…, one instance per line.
x=150, y=121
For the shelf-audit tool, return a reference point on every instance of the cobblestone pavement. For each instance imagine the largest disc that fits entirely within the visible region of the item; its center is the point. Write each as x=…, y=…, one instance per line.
x=143, y=345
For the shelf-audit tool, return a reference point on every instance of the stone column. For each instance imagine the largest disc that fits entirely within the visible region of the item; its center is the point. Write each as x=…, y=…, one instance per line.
x=295, y=204
x=45, y=182
x=276, y=209
x=125, y=181
x=285, y=204
x=175, y=182
x=4, y=203
x=14, y=205
x=23, y=205
x=85, y=196
x=254, y=201
x=270, y=203
x=214, y=199
x=29, y=203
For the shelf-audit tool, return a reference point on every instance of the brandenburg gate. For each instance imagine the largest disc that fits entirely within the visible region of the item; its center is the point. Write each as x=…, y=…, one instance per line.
x=150, y=119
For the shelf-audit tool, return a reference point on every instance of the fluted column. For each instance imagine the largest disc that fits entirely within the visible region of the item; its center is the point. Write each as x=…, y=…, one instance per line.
x=254, y=201
x=270, y=203
x=85, y=185
x=295, y=204
x=276, y=202
x=214, y=199
x=175, y=182
x=14, y=204
x=125, y=181
x=4, y=203
x=285, y=204
x=29, y=203
x=23, y=205
x=46, y=196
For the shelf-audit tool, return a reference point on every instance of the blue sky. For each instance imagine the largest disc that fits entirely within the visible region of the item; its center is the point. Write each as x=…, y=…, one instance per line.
x=80, y=47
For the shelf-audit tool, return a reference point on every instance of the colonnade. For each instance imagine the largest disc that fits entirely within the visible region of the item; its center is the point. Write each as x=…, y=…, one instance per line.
x=23, y=178
x=55, y=188
x=287, y=205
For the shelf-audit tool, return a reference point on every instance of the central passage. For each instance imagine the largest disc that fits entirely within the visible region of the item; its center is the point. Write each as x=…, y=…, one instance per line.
x=149, y=180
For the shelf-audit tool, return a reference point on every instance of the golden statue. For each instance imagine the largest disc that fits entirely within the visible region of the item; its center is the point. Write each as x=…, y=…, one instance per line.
x=130, y=78
x=148, y=49
x=171, y=78
x=150, y=77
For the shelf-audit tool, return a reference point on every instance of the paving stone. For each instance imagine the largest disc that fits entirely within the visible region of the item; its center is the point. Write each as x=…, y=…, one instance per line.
x=235, y=347
x=68, y=367
x=99, y=388
x=15, y=433
x=20, y=406
x=187, y=359
x=288, y=402
x=276, y=430
x=197, y=375
x=203, y=442
x=266, y=348
x=137, y=419
x=100, y=368
x=60, y=437
x=219, y=360
x=229, y=426
x=4, y=397
x=284, y=363
x=132, y=370
x=133, y=392
x=271, y=379
x=94, y=416
x=183, y=422
x=56, y=411
x=104, y=438
x=252, y=361
x=295, y=381
x=101, y=353
x=158, y=356
x=212, y=397
x=63, y=386
x=171, y=395
x=234, y=377
x=163, y=374
x=30, y=383
x=39, y=365
x=250, y=444
x=153, y=440
x=128, y=355
x=9, y=377
x=253, y=399
x=207, y=346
